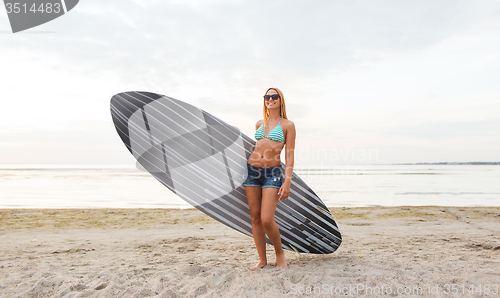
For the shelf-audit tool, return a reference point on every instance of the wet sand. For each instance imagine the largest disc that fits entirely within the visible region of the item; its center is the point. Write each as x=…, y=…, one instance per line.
x=420, y=251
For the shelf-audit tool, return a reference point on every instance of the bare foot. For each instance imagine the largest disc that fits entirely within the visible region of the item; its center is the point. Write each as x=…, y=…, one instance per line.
x=258, y=266
x=280, y=260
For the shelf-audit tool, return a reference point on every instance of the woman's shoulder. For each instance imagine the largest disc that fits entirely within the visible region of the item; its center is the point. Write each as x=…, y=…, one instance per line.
x=286, y=123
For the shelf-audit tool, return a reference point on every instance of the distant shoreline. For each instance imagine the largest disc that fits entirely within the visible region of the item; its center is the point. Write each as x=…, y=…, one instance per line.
x=29, y=218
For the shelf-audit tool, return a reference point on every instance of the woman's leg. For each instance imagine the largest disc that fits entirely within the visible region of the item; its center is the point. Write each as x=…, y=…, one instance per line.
x=254, y=197
x=268, y=208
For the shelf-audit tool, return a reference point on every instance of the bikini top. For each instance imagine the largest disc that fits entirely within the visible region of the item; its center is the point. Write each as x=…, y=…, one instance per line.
x=276, y=134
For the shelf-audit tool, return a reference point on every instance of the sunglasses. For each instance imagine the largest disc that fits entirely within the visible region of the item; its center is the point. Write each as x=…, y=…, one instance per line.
x=273, y=97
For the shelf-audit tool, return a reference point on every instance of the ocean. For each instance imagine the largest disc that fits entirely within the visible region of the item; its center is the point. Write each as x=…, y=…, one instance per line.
x=74, y=186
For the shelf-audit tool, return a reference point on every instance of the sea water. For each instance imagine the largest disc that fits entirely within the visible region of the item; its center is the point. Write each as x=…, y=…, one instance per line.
x=74, y=186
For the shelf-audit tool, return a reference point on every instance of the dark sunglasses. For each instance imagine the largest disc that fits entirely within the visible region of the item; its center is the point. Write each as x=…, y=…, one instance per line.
x=273, y=97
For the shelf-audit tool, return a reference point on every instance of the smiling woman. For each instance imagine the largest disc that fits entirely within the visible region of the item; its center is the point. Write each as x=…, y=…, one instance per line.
x=266, y=183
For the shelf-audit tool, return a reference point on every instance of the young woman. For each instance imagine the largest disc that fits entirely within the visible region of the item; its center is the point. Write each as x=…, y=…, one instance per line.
x=266, y=183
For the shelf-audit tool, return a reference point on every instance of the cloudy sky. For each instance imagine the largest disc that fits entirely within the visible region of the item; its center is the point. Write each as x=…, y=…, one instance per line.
x=364, y=81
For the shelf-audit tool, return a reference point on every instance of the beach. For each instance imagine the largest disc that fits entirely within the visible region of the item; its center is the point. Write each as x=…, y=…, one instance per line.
x=386, y=251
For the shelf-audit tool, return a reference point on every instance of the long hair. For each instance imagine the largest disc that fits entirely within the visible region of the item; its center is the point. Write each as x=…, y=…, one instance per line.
x=282, y=106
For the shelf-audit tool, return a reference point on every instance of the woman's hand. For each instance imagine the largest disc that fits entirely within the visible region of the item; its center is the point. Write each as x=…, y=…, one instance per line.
x=284, y=191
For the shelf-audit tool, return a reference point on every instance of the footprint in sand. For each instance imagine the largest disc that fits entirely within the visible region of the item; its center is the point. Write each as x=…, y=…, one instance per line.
x=195, y=270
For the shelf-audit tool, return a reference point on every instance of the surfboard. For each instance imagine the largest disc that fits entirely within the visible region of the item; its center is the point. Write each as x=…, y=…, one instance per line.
x=203, y=160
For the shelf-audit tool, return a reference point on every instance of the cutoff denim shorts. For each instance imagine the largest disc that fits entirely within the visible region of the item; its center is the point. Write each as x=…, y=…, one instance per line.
x=264, y=177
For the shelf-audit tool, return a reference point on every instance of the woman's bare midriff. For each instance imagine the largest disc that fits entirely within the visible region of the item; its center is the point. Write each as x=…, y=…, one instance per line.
x=266, y=153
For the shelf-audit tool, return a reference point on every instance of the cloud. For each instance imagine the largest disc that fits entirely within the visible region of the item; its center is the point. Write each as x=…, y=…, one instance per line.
x=447, y=130
x=162, y=43
x=363, y=72
x=91, y=142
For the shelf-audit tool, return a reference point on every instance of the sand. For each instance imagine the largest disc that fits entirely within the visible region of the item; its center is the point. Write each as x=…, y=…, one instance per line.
x=420, y=251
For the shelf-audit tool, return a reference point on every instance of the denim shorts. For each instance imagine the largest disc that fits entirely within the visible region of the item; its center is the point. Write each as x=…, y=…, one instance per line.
x=264, y=177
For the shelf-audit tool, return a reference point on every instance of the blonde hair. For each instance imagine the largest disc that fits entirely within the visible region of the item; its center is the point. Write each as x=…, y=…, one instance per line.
x=282, y=106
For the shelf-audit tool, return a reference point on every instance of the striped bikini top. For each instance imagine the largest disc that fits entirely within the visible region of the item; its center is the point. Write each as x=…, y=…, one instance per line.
x=276, y=134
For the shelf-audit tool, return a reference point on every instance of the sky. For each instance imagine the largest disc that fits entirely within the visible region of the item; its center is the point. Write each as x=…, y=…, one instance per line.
x=365, y=82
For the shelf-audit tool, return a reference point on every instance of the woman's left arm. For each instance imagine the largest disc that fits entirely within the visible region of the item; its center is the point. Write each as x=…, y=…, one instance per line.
x=289, y=159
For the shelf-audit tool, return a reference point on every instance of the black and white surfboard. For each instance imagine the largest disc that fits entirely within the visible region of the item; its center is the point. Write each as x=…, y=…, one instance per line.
x=203, y=160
